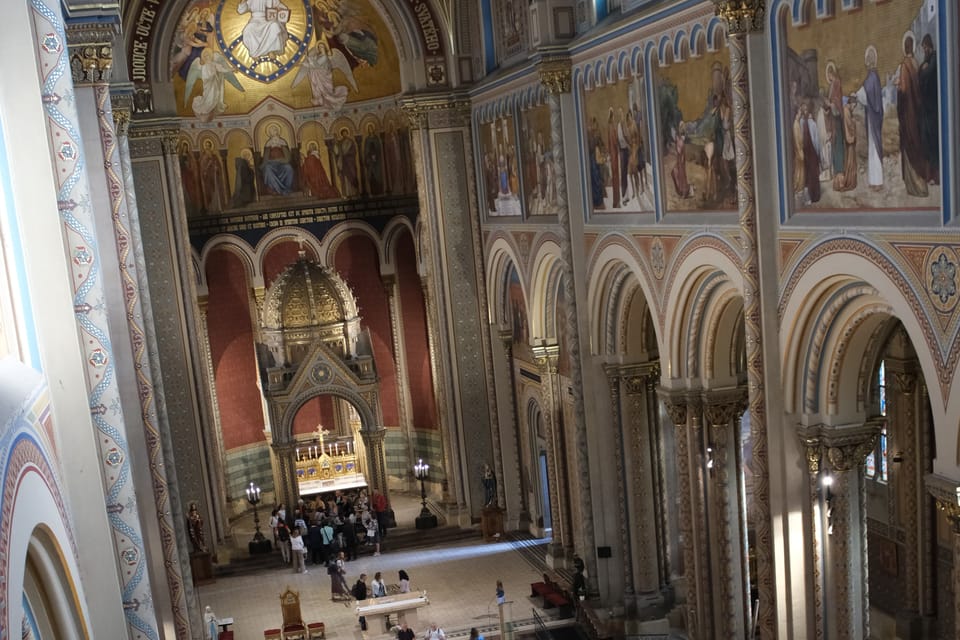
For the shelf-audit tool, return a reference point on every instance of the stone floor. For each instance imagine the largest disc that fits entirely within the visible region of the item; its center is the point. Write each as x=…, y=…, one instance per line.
x=460, y=581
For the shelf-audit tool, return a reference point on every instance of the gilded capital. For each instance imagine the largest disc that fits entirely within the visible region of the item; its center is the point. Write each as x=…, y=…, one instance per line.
x=724, y=406
x=91, y=51
x=555, y=74
x=946, y=493
x=847, y=447
x=741, y=16
x=436, y=110
x=676, y=404
x=546, y=354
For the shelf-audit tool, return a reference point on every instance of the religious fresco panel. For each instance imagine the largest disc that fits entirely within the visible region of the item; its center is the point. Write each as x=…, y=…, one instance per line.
x=617, y=147
x=860, y=108
x=536, y=159
x=499, y=162
x=695, y=116
x=228, y=56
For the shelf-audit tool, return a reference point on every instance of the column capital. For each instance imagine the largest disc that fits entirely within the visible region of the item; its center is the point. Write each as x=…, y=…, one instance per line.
x=555, y=73
x=723, y=406
x=373, y=436
x=147, y=133
x=843, y=447
x=91, y=51
x=636, y=378
x=506, y=336
x=121, y=104
x=741, y=16
x=946, y=493
x=677, y=404
x=434, y=110
x=546, y=354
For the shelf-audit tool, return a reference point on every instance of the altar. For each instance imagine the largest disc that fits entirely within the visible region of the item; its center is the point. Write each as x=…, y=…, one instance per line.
x=405, y=605
x=325, y=466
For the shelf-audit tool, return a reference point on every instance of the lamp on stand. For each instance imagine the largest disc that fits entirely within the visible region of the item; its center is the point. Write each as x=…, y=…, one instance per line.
x=259, y=544
x=426, y=519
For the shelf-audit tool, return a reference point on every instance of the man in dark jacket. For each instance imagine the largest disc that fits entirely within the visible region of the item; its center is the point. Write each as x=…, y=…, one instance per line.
x=360, y=593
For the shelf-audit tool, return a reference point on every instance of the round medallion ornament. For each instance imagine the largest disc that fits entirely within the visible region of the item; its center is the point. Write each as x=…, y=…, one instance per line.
x=264, y=39
x=942, y=278
x=657, y=258
x=321, y=374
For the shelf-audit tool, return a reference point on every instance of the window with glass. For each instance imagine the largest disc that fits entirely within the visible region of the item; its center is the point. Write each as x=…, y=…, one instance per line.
x=875, y=466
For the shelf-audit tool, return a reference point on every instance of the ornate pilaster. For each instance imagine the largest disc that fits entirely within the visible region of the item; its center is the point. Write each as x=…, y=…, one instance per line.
x=287, y=489
x=391, y=288
x=203, y=340
x=546, y=356
x=506, y=338
x=810, y=442
x=722, y=410
x=555, y=75
x=614, y=380
x=904, y=448
x=743, y=17
x=700, y=503
x=678, y=409
x=91, y=51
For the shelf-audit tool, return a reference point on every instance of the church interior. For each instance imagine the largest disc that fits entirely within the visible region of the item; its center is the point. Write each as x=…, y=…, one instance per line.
x=628, y=278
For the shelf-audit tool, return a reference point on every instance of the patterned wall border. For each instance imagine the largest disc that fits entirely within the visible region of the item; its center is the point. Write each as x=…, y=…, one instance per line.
x=943, y=346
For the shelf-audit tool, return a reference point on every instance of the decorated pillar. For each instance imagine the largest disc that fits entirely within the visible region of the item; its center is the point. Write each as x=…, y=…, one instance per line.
x=91, y=201
x=722, y=410
x=835, y=458
x=219, y=458
x=743, y=17
x=506, y=338
x=442, y=146
x=946, y=493
x=678, y=409
x=555, y=76
x=373, y=444
x=546, y=356
x=285, y=473
x=619, y=444
x=392, y=288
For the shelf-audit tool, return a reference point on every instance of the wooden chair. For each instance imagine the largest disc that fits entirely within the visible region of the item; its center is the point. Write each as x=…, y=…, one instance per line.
x=293, y=627
x=272, y=634
x=317, y=631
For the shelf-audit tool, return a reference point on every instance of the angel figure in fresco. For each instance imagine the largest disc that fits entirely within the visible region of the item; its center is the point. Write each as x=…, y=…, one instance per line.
x=212, y=70
x=193, y=35
x=345, y=30
x=319, y=66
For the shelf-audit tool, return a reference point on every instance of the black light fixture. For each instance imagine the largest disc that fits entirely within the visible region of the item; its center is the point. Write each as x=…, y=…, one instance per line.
x=259, y=544
x=426, y=519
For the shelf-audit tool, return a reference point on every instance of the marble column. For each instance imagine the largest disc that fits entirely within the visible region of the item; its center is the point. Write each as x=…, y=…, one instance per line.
x=675, y=402
x=743, y=17
x=506, y=338
x=623, y=499
x=392, y=288
x=722, y=410
x=555, y=76
x=220, y=456
x=373, y=443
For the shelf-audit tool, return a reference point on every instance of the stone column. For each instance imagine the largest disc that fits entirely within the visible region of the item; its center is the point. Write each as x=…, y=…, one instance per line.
x=442, y=145
x=288, y=489
x=843, y=451
x=810, y=441
x=220, y=456
x=946, y=493
x=506, y=338
x=677, y=407
x=723, y=409
x=555, y=76
x=546, y=356
x=643, y=479
x=619, y=445
x=373, y=443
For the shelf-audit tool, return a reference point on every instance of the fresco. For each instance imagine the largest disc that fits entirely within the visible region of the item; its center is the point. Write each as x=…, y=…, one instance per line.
x=695, y=105
x=278, y=166
x=536, y=159
x=517, y=309
x=617, y=147
x=228, y=55
x=500, y=166
x=860, y=108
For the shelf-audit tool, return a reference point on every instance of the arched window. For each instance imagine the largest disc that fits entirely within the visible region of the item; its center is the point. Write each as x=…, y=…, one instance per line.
x=876, y=464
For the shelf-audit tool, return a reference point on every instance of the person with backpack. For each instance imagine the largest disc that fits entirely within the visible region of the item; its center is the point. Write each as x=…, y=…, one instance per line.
x=359, y=592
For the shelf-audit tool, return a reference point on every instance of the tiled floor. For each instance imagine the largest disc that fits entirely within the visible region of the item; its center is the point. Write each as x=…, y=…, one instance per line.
x=460, y=581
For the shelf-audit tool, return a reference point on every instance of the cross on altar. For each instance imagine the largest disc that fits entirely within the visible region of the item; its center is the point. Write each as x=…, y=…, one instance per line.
x=321, y=432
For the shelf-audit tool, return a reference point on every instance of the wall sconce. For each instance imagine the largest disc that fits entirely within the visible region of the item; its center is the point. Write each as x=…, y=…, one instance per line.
x=898, y=457
x=826, y=481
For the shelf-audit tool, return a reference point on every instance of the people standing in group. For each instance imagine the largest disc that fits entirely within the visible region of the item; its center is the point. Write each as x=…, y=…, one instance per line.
x=379, y=503
x=501, y=594
x=373, y=532
x=434, y=633
x=318, y=554
x=283, y=538
x=405, y=632
x=350, y=536
x=273, y=526
x=377, y=587
x=298, y=551
x=404, y=582
x=326, y=540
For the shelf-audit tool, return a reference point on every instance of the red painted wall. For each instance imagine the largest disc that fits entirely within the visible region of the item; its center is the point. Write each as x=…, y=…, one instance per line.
x=232, y=351
x=357, y=263
x=279, y=257
x=424, y=409
x=317, y=410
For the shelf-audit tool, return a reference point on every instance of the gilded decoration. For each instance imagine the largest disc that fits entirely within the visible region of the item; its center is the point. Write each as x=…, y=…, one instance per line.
x=307, y=294
x=741, y=16
x=227, y=57
x=555, y=74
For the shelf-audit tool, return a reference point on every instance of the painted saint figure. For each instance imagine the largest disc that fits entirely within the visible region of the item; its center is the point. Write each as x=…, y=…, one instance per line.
x=319, y=66
x=913, y=161
x=870, y=95
x=930, y=109
x=276, y=168
x=265, y=32
x=244, y=191
x=373, y=161
x=315, y=180
x=211, y=69
x=345, y=153
x=211, y=171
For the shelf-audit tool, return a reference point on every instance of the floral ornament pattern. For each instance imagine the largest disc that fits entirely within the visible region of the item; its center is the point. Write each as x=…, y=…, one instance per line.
x=943, y=282
x=657, y=258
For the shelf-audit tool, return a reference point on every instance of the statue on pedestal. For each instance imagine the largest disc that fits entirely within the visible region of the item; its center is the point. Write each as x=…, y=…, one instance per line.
x=489, y=487
x=195, y=529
